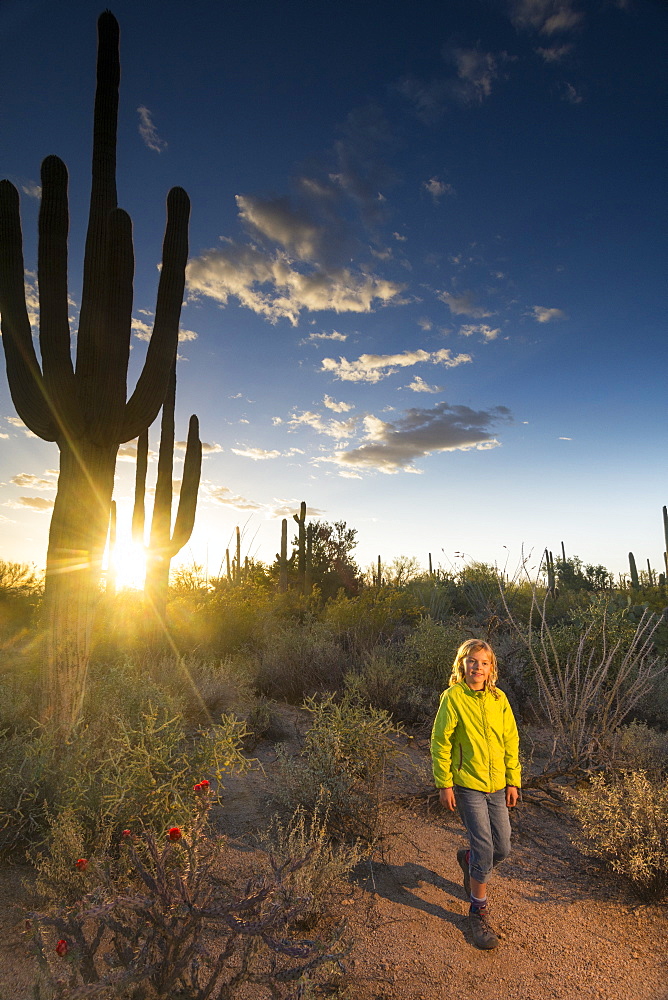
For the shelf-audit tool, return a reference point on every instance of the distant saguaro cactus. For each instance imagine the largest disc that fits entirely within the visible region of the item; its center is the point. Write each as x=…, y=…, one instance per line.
x=83, y=408
x=635, y=582
x=164, y=544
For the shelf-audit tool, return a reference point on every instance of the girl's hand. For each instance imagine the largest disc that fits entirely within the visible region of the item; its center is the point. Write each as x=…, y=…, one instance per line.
x=447, y=798
x=511, y=796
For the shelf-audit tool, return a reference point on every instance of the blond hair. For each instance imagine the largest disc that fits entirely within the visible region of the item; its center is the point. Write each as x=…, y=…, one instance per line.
x=459, y=666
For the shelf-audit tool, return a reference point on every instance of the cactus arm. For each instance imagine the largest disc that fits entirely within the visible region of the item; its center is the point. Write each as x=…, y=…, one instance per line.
x=23, y=372
x=54, y=327
x=162, y=505
x=112, y=340
x=103, y=200
x=138, y=511
x=143, y=406
x=192, y=467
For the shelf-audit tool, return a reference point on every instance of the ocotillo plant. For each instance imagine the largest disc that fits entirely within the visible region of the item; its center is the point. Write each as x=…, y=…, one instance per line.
x=83, y=408
x=164, y=544
x=665, y=537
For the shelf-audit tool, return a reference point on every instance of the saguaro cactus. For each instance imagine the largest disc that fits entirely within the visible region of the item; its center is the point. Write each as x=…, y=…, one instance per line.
x=164, y=544
x=633, y=570
x=83, y=408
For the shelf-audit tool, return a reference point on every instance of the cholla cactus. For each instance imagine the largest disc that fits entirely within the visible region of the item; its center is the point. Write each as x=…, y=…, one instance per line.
x=83, y=407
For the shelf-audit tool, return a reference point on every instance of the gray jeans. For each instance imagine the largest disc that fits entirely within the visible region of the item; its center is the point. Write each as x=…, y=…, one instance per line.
x=485, y=816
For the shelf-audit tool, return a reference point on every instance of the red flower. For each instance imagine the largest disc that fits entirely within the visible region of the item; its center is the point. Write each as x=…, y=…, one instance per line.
x=201, y=786
x=197, y=788
x=174, y=833
x=126, y=834
x=204, y=783
x=81, y=864
x=62, y=948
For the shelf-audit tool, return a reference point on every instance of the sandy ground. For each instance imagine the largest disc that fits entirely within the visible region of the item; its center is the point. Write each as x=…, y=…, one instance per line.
x=568, y=929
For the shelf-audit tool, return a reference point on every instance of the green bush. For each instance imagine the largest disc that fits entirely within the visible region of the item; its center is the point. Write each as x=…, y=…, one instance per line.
x=342, y=765
x=295, y=661
x=430, y=649
x=624, y=819
x=375, y=617
x=124, y=763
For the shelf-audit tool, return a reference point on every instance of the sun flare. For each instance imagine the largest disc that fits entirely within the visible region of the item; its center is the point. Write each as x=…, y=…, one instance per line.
x=129, y=566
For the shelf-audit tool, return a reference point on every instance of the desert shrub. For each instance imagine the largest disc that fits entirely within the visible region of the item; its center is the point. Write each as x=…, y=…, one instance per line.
x=223, y=624
x=624, y=820
x=298, y=660
x=429, y=651
x=204, y=689
x=638, y=747
x=376, y=616
x=383, y=682
x=324, y=873
x=124, y=763
x=156, y=922
x=342, y=765
x=20, y=597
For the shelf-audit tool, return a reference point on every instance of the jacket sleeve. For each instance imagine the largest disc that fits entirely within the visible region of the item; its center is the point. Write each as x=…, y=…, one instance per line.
x=511, y=743
x=442, y=732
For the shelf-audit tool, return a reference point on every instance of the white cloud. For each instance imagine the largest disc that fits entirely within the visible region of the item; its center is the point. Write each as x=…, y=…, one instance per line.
x=399, y=237
x=394, y=447
x=148, y=131
x=425, y=324
x=565, y=439
x=375, y=367
x=143, y=330
x=488, y=332
x=32, y=189
x=17, y=422
x=5, y=437
x=337, y=407
x=555, y=53
x=341, y=430
x=287, y=508
x=224, y=496
x=437, y=188
x=544, y=315
x=419, y=385
x=476, y=72
x=279, y=222
x=127, y=452
x=571, y=95
x=463, y=305
x=271, y=286
x=38, y=504
x=334, y=335
x=549, y=17
x=257, y=454
x=28, y=481
x=211, y=449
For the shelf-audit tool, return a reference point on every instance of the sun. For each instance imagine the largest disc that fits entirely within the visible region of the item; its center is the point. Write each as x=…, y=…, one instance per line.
x=129, y=565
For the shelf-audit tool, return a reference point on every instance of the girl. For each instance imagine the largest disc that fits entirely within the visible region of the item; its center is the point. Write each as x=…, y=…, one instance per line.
x=474, y=749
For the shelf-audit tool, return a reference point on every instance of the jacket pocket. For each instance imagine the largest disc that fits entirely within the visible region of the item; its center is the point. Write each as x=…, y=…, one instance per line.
x=461, y=756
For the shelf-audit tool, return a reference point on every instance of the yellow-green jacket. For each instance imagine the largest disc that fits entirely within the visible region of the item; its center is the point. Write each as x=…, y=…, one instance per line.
x=474, y=740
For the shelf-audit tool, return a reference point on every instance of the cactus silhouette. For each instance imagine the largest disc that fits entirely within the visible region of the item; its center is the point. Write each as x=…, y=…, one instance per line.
x=84, y=407
x=164, y=544
x=633, y=570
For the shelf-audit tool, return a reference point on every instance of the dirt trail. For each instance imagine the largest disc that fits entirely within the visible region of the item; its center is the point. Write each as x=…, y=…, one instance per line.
x=567, y=929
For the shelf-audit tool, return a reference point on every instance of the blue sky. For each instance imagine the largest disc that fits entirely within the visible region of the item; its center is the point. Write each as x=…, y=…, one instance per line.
x=427, y=263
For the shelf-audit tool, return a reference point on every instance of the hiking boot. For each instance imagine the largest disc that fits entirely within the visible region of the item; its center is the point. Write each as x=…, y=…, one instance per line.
x=481, y=929
x=463, y=863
